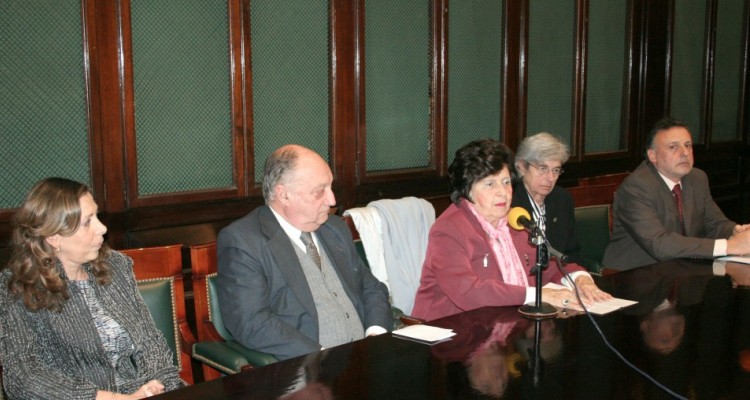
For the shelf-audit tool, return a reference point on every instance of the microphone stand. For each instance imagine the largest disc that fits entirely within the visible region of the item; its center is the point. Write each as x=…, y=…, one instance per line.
x=538, y=310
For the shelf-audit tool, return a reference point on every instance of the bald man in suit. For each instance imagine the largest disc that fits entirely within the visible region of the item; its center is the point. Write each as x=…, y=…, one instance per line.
x=283, y=296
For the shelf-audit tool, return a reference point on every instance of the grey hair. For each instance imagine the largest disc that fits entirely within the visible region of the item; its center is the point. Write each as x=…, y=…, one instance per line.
x=279, y=165
x=542, y=147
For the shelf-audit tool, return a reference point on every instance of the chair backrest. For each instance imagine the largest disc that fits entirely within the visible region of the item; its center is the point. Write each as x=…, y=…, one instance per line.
x=615, y=179
x=357, y=240
x=592, y=228
x=203, y=265
x=158, y=271
x=593, y=194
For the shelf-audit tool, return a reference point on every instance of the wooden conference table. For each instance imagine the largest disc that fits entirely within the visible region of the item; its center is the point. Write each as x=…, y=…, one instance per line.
x=690, y=331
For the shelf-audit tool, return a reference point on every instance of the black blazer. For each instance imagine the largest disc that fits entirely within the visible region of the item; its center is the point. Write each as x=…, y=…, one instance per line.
x=560, y=226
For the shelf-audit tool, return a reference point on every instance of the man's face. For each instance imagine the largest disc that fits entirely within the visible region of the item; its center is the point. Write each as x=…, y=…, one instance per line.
x=306, y=197
x=672, y=153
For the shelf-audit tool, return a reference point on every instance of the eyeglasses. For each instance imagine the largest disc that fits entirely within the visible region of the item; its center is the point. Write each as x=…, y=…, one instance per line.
x=543, y=169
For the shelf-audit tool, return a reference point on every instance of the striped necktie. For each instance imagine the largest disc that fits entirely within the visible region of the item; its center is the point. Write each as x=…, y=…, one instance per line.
x=677, y=191
x=312, y=251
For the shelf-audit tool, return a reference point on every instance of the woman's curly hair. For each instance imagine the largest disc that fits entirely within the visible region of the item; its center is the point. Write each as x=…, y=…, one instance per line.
x=52, y=207
x=475, y=161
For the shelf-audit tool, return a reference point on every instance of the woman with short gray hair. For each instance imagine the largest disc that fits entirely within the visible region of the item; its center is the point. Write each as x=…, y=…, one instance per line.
x=539, y=162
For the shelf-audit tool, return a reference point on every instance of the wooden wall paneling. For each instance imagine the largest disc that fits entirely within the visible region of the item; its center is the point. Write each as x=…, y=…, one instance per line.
x=515, y=72
x=346, y=148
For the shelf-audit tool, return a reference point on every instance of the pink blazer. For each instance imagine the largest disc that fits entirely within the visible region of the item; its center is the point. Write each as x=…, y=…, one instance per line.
x=455, y=275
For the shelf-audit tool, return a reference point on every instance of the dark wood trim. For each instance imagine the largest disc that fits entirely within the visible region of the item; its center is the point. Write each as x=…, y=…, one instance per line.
x=246, y=150
x=515, y=74
x=103, y=46
x=709, y=68
x=578, y=140
x=345, y=104
x=439, y=92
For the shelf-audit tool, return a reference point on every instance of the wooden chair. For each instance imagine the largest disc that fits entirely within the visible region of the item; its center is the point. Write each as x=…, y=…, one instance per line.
x=158, y=271
x=594, y=195
x=216, y=349
x=592, y=229
x=614, y=179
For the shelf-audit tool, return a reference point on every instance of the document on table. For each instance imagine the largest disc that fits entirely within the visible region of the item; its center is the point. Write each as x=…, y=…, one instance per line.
x=602, y=307
x=424, y=333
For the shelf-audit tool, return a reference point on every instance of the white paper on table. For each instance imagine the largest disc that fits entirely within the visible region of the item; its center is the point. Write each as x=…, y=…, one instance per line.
x=600, y=308
x=424, y=333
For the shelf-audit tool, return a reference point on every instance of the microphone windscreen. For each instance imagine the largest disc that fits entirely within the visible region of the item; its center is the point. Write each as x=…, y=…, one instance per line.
x=514, y=214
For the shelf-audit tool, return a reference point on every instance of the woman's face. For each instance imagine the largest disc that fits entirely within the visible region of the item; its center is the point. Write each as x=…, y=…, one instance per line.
x=492, y=195
x=84, y=244
x=539, y=179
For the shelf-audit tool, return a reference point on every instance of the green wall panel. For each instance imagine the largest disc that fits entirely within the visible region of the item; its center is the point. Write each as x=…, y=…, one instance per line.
x=605, y=75
x=182, y=92
x=475, y=56
x=290, y=76
x=43, y=128
x=728, y=70
x=688, y=59
x=397, y=84
x=550, y=67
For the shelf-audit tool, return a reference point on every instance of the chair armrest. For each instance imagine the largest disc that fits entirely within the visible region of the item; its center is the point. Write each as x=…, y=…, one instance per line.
x=409, y=320
x=188, y=340
x=212, y=335
x=220, y=356
x=254, y=357
x=401, y=320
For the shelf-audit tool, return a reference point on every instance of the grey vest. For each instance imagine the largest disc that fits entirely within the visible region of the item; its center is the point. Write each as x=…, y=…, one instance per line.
x=338, y=321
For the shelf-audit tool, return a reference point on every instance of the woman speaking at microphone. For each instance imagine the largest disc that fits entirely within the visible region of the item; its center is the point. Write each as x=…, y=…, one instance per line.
x=473, y=259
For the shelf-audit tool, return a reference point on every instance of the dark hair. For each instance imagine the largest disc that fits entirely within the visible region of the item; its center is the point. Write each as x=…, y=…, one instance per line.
x=663, y=124
x=51, y=207
x=476, y=161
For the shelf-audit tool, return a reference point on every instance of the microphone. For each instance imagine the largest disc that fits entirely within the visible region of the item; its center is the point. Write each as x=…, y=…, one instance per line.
x=520, y=219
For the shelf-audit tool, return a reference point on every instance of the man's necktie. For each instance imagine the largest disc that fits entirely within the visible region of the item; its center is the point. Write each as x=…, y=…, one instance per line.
x=312, y=251
x=677, y=191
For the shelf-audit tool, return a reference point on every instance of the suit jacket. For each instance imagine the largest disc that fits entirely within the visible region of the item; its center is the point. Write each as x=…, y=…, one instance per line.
x=455, y=277
x=647, y=225
x=266, y=302
x=560, y=224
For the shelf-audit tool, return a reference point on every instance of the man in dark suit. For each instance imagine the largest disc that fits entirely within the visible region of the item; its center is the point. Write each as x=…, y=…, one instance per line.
x=649, y=226
x=286, y=294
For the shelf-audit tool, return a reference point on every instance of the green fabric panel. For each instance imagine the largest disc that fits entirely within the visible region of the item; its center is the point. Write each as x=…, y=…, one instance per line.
x=182, y=93
x=728, y=70
x=475, y=56
x=551, y=63
x=214, y=309
x=605, y=75
x=290, y=56
x=43, y=126
x=397, y=84
x=158, y=296
x=688, y=55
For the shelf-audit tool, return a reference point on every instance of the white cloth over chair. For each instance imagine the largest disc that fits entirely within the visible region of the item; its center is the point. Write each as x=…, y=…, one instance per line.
x=405, y=228
x=368, y=224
